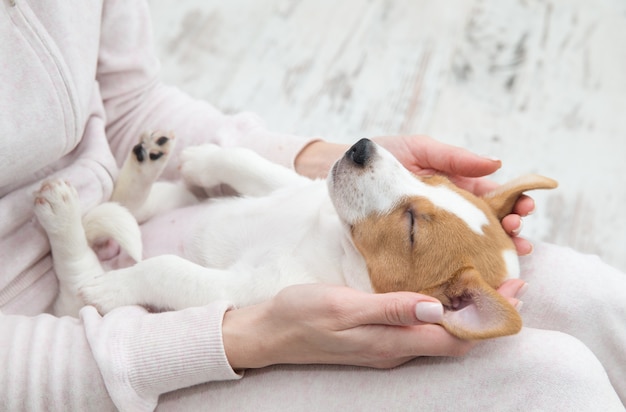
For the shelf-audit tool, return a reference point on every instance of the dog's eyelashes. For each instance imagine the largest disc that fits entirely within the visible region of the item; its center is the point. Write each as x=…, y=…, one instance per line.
x=411, y=216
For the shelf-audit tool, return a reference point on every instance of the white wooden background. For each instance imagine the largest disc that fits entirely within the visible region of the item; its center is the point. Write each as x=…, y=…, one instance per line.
x=539, y=84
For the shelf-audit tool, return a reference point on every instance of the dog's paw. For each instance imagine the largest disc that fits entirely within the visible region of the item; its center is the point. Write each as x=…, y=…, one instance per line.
x=103, y=293
x=57, y=206
x=200, y=165
x=154, y=148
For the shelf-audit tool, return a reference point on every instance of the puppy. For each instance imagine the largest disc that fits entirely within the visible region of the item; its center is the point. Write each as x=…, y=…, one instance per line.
x=372, y=225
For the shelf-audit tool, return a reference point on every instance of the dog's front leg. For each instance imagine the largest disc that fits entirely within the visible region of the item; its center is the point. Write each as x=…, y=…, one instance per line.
x=247, y=172
x=135, y=187
x=164, y=282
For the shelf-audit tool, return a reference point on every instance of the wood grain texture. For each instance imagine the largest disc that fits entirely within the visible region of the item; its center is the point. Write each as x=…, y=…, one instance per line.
x=539, y=84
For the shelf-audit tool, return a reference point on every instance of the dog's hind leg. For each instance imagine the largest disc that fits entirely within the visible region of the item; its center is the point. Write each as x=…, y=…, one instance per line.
x=166, y=282
x=247, y=172
x=135, y=187
x=58, y=209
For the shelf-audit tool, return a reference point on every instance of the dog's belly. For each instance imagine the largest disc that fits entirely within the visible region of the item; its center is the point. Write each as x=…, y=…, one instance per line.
x=168, y=233
x=294, y=227
x=161, y=235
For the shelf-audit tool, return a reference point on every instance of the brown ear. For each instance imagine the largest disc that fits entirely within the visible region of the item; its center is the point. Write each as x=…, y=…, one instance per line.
x=502, y=199
x=483, y=312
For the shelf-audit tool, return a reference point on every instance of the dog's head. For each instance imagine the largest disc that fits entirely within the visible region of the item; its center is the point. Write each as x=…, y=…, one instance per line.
x=426, y=235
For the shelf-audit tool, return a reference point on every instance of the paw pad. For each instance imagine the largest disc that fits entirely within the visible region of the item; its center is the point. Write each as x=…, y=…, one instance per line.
x=153, y=146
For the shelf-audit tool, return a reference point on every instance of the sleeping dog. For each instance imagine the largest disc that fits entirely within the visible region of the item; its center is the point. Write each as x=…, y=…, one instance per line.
x=371, y=225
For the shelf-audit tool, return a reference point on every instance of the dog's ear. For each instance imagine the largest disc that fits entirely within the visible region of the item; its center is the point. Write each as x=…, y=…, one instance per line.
x=474, y=309
x=502, y=199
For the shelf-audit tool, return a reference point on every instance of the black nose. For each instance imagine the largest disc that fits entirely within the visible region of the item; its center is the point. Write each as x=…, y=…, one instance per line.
x=360, y=152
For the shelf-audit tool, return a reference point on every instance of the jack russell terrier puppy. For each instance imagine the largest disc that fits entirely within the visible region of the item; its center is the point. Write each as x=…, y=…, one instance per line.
x=372, y=225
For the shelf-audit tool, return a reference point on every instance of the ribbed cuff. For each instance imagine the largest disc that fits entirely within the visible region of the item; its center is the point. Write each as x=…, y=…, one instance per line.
x=175, y=350
x=143, y=355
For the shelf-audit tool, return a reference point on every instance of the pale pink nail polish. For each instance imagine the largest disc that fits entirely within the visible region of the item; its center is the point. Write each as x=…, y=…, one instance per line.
x=429, y=312
x=522, y=291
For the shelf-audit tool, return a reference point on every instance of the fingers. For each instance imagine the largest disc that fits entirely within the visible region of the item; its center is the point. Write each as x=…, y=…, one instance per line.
x=513, y=288
x=393, y=346
x=453, y=160
x=522, y=246
x=477, y=186
x=512, y=224
x=422, y=154
x=396, y=309
x=419, y=336
x=430, y=340
x=524, y=206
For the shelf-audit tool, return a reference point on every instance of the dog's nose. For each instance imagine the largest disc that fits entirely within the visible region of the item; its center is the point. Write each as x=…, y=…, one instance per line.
x=360, y=152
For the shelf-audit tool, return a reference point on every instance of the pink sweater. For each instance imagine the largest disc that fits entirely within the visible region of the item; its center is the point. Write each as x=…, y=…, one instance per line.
x=79, y=83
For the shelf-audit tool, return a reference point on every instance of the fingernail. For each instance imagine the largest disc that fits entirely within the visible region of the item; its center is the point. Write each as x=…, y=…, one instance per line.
x=518, y=230
x=519, y=305
x=490, y=157
x=429, y=312
x=521, y=291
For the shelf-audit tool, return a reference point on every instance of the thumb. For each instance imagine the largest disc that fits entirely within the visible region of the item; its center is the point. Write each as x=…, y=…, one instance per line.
x=401, y=309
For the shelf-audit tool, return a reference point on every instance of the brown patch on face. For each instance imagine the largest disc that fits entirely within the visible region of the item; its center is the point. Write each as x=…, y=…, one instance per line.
x=440, y=246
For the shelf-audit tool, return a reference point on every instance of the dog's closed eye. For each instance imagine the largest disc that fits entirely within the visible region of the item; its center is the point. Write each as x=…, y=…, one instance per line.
x=411, y=218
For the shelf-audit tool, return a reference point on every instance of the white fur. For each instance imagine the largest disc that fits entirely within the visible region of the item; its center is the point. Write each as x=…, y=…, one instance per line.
x=512, y=263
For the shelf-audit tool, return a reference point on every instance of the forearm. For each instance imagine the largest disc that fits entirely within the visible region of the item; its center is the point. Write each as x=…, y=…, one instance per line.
x=136, y=101
x=125, y=359
x=143, y=355
x=195, y=122
x=47, y=364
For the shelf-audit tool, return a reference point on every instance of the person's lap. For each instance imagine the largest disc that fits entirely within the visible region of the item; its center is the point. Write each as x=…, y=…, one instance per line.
x=582, y=296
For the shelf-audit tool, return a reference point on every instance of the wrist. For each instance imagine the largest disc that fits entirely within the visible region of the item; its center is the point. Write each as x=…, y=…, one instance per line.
x=245, y=342
x=316, y=158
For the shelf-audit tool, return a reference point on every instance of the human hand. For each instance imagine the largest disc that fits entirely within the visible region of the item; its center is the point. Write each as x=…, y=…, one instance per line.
x=326, y=324
x=423, y=155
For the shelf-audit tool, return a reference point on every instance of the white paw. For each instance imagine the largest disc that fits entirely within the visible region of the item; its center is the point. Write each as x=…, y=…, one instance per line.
x=104, y=293
x=153, y=151
x=200, y=165
x=57, y=206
